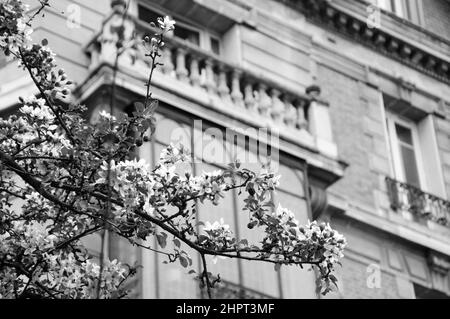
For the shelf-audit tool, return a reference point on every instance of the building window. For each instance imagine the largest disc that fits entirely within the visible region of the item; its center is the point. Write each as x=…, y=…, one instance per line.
x=416, y=182
x=184, y=30
x=407, y=9
x=405, y=149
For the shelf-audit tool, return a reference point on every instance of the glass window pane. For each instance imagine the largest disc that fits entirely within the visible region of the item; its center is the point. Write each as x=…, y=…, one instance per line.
x=147, y=15
x=187, y=34
x=404, y=134
x=410, y=166
x=215, y=46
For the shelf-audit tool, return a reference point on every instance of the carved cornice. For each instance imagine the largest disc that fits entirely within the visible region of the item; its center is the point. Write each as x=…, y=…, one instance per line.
x=323, y=12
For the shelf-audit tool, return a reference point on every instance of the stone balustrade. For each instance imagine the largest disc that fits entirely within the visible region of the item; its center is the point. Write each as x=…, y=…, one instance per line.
x=300, y=117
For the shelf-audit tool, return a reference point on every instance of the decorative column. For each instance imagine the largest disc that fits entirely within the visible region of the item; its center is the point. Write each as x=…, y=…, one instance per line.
x=181, y=71
x=194, y=71
x=223, y=89
x=210, y=83
x=278, y=107
x=249, y=98
x=264, y=100
x=168, y=66
x=290, y=113
x=118, y=6
x=236, y=94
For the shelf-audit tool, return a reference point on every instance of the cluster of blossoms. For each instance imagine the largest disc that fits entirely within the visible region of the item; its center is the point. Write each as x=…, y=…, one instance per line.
x=80, y=281
x=166, y=24
x=153, y=45
x=60, y=273
x=218, y=236
x=39, y=59
x=209, y=185
x=37, y=110
x=14, y=31
x=37, y=125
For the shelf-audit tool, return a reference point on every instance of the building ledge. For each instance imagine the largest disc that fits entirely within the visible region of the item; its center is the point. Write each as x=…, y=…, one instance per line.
x=427, y=236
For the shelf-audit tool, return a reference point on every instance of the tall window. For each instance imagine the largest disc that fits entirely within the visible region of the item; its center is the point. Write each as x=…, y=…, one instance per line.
x=407, y=9
x=195, y=35
x=406, y=155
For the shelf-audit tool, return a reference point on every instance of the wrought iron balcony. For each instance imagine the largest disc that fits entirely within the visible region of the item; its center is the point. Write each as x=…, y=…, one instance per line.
x=222, y=85
x=423, y=205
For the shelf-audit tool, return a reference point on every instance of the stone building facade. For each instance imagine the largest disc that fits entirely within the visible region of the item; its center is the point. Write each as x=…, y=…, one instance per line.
x=356, y=91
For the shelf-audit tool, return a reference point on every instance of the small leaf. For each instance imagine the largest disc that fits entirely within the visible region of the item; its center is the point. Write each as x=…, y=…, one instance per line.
x=139, y=107
x=161, y=238
x=277, y=267
x=192, y=271
x=243, y=242
x=177, y=242
x=183, y=261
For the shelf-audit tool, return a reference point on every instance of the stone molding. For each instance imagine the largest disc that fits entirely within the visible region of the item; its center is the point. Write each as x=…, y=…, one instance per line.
x=349, y=24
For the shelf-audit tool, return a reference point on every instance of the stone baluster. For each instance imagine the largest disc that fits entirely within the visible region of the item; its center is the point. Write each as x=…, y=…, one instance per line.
x=249, y=97
x=301, y=122
x=223, y=89
x=168, y=66
x=194, y=71
x=236, y=94
x=290, y=114
x=264, y=100
x=181, y=71
x=210, y=83
x=277, y=109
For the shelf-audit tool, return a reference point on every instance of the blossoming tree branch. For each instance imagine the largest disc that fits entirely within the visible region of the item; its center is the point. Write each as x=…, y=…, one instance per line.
x=63, y=178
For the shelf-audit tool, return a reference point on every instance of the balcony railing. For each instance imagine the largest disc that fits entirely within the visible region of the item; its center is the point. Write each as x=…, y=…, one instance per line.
x=423, y=205
x=254, y=98
x=235, y=86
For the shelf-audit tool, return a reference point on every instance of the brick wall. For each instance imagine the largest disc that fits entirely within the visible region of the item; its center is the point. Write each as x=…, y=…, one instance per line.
x=349, y=111
x=436, y=15
x=354, y=282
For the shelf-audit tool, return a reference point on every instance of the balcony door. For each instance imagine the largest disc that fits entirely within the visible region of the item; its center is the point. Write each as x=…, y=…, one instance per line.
x=406, y=155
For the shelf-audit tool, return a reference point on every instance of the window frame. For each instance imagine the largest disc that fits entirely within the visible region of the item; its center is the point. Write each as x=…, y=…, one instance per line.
x=205, y=36
x=411, y=10
x=397, y=160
